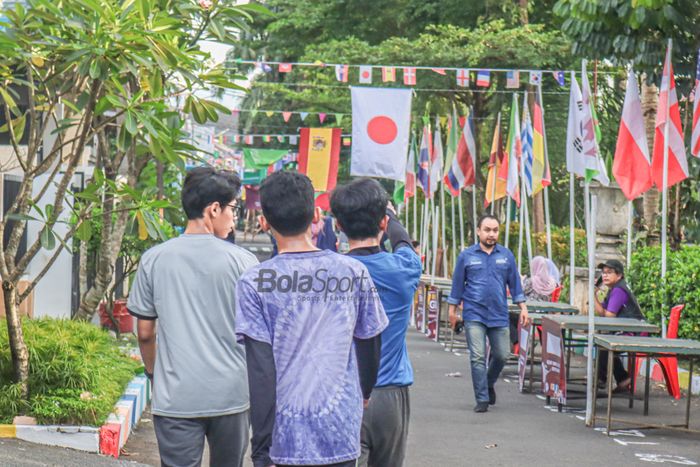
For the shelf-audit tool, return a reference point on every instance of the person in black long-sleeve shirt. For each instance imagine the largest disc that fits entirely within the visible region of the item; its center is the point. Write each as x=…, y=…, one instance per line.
x=311, y=321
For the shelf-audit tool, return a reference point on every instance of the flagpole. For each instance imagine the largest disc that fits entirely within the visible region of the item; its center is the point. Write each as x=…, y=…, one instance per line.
x=507, y=220
x=436, y=223
x=591, y=312
x=461, y=221
x=629, y=235
x=454, y=237
x=572, y=240
x=528, y=236
x=664, y=200
x=406, y=205
x=415, y=214
x=474, y=218
x=423, y=234
x=426, y=236
x=442, y=219
x=520, y=239
x=547, y=221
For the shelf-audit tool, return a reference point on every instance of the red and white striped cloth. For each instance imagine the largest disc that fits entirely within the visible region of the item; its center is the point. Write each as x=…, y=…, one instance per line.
x=695, y=138
x=668, y=105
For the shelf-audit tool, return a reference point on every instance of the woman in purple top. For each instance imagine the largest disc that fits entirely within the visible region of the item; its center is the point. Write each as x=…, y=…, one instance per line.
x=619, y=303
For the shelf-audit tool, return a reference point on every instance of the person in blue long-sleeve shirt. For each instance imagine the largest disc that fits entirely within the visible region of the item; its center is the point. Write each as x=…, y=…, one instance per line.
x=362, y=211
x=484, y=274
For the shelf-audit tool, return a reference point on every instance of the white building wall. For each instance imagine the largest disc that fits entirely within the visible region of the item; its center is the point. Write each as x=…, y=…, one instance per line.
x=52, y=295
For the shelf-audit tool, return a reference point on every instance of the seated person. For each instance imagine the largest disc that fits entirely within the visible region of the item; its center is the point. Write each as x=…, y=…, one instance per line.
x=618, y=303
x=543, y=280
x=538, y=287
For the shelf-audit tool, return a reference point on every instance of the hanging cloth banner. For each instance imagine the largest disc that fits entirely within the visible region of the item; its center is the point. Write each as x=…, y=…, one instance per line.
x=319, y=151
x=381, y=122
x=261, y=158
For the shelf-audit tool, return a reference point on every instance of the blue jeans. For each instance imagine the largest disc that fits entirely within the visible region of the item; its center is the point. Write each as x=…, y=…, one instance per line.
x=483, y=378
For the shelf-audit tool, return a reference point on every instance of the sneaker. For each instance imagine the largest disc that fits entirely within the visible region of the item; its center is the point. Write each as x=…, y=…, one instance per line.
x=481, y=407
x=492, y=396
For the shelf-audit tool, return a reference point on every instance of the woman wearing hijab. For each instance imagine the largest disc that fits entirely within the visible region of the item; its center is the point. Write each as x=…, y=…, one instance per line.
x=543, y=280
x=538, y=287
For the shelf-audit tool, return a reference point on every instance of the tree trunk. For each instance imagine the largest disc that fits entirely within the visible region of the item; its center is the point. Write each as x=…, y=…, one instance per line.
x=523, y=12
x=18, y=348
x=538, y=224
x=650, y=98
x=109, y=249
x=83, y=268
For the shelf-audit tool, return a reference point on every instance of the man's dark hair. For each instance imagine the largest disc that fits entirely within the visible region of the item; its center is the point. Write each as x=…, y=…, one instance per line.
x=415, y=243
x=206, y=185
x=486, y=216
x=359, y=207
x=287, y=200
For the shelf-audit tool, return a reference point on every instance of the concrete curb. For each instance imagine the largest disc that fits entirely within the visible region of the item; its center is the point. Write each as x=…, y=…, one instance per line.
x=108, y=439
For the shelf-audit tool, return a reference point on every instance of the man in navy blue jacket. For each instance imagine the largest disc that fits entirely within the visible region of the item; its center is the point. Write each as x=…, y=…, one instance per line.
x=479, y=282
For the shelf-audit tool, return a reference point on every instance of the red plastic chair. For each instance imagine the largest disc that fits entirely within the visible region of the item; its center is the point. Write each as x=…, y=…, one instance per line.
x=556, y=294
x=668, y=364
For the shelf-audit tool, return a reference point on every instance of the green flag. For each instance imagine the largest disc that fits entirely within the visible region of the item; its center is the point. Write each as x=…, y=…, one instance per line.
x=399, y=189
x=255, y=158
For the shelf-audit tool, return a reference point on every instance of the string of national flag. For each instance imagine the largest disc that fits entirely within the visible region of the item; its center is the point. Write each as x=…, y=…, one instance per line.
x=634, y=169
x=255, y=138
x=463, y=76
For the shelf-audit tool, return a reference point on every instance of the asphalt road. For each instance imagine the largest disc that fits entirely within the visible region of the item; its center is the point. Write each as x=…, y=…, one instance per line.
x=519, y=430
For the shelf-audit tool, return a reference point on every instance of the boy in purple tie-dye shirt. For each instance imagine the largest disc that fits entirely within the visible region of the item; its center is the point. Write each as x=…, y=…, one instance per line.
x=311, y=321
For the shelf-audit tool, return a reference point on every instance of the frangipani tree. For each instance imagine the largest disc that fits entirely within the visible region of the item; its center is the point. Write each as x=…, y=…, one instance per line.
x=98, y=77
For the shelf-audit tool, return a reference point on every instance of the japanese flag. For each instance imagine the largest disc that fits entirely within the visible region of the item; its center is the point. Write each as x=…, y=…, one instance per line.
x=381, y=119
x=366, y=74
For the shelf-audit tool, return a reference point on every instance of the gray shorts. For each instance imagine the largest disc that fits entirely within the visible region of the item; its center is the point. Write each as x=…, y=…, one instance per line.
x=385, y=427
x=181, y=440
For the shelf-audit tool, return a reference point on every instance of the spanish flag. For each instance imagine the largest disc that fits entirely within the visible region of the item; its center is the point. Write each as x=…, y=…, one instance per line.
x=319, y=150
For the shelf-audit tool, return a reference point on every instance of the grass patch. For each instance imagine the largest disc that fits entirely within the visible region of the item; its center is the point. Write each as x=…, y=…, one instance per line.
x=77, y=373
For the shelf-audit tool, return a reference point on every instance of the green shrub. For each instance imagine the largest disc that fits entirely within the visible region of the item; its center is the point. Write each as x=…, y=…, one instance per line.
x=77, y=373
x=683, y=269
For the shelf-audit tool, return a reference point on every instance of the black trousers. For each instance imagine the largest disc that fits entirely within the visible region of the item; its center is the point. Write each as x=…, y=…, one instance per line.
x=619, y=370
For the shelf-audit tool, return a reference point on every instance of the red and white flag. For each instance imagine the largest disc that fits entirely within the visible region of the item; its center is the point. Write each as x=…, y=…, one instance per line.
x=410, y=186
x=668, y=106
x=366, y=74
x=463, y=77
x=695, y=137
x=632, y=167
x=381, y=121
x=284, y=68
x=409, y=76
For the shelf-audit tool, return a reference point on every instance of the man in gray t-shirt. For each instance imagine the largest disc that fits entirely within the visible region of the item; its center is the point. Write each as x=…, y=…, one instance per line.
x=187, y=286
